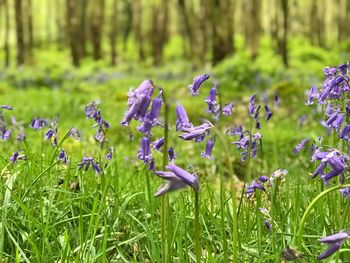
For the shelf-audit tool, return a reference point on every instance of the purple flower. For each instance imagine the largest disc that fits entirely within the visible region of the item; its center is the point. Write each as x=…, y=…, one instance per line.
x=334, y=241
x=185, y=176
x=300, y=145
x=16, y=156
x=276, y=100
x=197, y=83
x=173, y=183
x=237, y=131
x=313, y=94
x=63, y=157
x=211, y=99
x=144, y=152
x=197, y=133
x=227, y=110
x=182, y=121
x=345, y=192
x=263, y=179
x=38, y=123
x=208, y=148
x=171, y=154
x=6, y=107
x=91, y=110
x=328, y=71
x=109, y=154
x=151, y=118
x=5, y=134
x=268, y=112
x=345, y=133
x=74, y=133
x=251, y=188
x=157, y=144
x=86, y=162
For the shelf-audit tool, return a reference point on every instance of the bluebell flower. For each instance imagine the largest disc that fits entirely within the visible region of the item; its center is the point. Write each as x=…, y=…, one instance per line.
x=334, y=241
x=6, y=107
x=197, y=133
x=253, y=187
x=182, y=122
x=16, y=156
x=313, y=94
x=144, y=153
x=345, y=192
x=268, y=113
x=211, y=99
x=157, y=144
x=63, y=157
x=109, y=154
x=227, y=110
x=171, y=154
x=208, y=148
x=38, y=123
x=300, y=145
x=86, y=162
x=197, y=83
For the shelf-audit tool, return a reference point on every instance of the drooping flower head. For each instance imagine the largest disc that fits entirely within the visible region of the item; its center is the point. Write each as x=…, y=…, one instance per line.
x=63, y=157
x=211, y=99
x=144, y=152
x=197, y=133
x=38, y=123
x=334, y=241
x=300, y=145
x=208, y=148
x=227, y=110
x=197, y=83
x=86, y=162
x=182, y=122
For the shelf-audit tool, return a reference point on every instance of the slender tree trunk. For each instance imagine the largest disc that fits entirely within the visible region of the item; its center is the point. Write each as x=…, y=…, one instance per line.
x=252, y=25
x=73, y=31
x=83, y=10
x=284, y=37
x=159, y=30
x=113, y=32
x=7, y=32
x=222, y=18
x=48, y=21
x=30, y=30
x=316, y=23
x=96, y=28
x=21, y=49
x=137, y=21
x=59, y=26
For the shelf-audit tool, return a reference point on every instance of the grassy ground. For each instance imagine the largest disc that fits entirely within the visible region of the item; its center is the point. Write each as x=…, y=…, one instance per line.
x=55, y=213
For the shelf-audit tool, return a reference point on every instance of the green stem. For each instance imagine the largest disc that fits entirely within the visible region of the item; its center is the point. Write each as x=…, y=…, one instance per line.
x=197, y=227
x=165, y=224
x=309, y=208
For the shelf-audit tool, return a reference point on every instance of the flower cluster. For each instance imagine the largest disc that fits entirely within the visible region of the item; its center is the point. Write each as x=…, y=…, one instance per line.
x=5, y=133
x=334, y=241
x=86, y=162
x=92, y=112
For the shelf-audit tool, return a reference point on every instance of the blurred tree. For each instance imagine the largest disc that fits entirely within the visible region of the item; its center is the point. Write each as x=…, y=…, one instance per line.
x=137, y=24
x=193, y=31
x=61, y=36
x=222, y=18
x=73, y=30
x=126, y=21
x=96, y=27
x=279, y=31
x=83, y=21
x=159, y=29
x=29, y=22
x=114, y=31
x=317, y=22
x=7, y=33
x=21, y=48
x=252, y=25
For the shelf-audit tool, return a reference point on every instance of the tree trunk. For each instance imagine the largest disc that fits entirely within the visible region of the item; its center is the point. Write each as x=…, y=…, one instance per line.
x=222, y=18
x=284, y=36
x=137, y=21
x=316, y=23
x=113, y=32
x=159, y=30
x=252, y=25
x=7, y=32
x=126, y=24
x=83, y=10
x=96, y=27
x=21, y=49
x=30, y=30
x=73, y=30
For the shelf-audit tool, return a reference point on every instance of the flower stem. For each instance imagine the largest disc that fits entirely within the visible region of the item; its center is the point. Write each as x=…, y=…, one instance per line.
x=309, y=208
x=197, y=227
